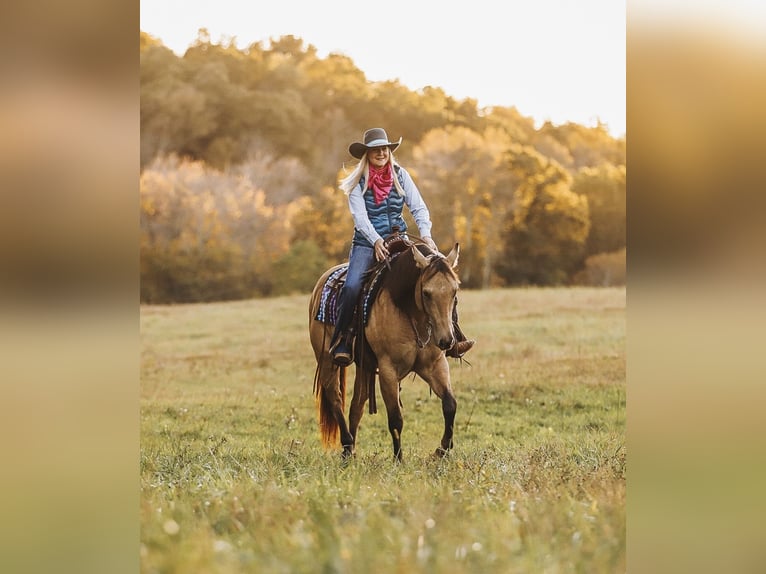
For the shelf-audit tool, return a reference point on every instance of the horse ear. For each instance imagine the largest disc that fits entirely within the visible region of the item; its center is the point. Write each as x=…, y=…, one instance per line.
x=454, y=255
x=420, y=259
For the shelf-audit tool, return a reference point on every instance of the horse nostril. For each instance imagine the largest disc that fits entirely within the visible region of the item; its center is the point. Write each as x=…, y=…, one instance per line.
x=445, y=344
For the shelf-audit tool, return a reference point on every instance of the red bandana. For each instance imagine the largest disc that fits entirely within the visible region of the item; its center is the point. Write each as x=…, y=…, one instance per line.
x=381, y=181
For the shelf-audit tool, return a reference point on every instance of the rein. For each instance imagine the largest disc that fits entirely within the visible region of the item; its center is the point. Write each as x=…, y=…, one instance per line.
x=418, y=339
x=421, y=343
x=435, y=255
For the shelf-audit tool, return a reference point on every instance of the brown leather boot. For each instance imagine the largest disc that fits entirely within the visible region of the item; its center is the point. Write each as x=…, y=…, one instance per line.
x=343, y=353
x=460, y=348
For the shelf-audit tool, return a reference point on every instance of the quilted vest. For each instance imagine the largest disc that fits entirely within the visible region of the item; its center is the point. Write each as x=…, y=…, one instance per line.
x=385, y=215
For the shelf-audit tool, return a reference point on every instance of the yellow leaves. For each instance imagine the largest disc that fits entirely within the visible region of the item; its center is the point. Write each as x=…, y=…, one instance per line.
x=566, y=201
x=148, y=206
x=460, y=227
x=200, y=231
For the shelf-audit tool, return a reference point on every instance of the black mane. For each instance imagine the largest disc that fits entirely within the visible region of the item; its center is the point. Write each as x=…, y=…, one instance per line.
x=400, y=280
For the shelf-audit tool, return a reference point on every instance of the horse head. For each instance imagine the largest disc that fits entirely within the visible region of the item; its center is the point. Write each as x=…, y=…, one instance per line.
x=436, y=292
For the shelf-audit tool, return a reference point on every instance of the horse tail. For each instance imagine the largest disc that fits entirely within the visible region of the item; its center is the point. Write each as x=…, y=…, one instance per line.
x=328, y=424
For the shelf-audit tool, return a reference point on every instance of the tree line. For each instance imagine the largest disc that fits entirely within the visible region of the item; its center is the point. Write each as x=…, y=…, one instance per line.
x=241, y=151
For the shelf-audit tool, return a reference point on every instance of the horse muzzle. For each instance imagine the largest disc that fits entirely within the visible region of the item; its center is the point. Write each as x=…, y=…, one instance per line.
x=445, y=343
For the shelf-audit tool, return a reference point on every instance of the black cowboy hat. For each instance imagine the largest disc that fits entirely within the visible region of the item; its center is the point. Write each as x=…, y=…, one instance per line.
x=374, y=137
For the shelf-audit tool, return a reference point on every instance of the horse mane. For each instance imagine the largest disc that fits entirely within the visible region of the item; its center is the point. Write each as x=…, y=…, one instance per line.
x=400, y=280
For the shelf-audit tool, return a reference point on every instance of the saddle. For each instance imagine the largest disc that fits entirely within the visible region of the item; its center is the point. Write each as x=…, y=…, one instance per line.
x=397, y=242
x=327, y=312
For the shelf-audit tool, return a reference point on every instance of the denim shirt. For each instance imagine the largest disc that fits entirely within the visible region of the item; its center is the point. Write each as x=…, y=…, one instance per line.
x=372, y=222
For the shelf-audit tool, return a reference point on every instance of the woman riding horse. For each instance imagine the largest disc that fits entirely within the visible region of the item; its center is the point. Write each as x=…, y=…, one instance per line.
x=377, y=189
x=409, y=327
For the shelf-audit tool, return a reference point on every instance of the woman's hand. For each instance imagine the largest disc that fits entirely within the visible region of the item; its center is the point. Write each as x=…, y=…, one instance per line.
x=430, y=242
x=380, y=250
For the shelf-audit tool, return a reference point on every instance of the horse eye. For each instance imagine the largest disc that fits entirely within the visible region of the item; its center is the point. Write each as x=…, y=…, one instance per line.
x=427, y=294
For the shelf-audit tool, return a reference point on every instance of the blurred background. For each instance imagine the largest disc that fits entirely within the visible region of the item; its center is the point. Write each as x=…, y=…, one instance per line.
x=242, y=149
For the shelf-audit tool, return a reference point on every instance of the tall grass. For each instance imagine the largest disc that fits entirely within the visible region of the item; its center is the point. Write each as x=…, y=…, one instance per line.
x=234, y=479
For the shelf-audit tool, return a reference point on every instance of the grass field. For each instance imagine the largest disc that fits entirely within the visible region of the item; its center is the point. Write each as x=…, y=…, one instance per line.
x=234, y=479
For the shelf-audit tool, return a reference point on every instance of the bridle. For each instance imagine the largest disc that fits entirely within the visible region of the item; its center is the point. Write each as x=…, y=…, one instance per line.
x=429, y=326
x=421, y=343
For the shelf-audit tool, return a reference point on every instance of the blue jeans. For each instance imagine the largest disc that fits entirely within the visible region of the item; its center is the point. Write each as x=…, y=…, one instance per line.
x=360, y=260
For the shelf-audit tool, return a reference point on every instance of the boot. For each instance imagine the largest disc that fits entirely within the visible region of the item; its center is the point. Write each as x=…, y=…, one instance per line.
x=343, y=354
x=463, y=344
x=460, y=348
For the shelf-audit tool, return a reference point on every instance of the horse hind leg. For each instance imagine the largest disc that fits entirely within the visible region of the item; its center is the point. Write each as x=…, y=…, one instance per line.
x=331, y=395
x=329, y=386
x=356, y=410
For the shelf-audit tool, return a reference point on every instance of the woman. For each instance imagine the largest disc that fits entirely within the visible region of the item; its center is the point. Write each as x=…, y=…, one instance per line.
x=377, y=190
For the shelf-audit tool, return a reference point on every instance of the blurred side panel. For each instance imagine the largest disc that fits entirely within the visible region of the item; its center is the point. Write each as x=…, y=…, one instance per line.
x=69, y=159
x=697, y=295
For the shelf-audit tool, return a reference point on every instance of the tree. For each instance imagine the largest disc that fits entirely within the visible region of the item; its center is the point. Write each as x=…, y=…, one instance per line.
x=169, y=105
x=605, y=189
x=516, y=127
x=545, y=235
x=324, y=220
x=262, y=131
x=588, y=146
x=207, y=235
x=457, y=171
x=299, y=269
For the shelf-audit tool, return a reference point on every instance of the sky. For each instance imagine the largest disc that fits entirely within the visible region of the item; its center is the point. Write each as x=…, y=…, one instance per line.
x=554, y=60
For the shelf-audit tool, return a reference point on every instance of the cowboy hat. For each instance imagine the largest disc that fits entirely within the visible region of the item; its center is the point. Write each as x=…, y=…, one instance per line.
x=374, y=137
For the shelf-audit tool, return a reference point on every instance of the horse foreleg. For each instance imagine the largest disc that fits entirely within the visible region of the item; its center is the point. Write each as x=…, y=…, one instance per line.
x=449, y=408
x=439, y=380
x=389, y=388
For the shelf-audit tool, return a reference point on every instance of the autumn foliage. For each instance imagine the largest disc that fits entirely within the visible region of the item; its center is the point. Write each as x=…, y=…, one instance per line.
x=241, y=151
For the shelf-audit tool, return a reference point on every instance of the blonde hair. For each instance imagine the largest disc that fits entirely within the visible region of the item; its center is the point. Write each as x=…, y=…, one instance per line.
x=348, y=183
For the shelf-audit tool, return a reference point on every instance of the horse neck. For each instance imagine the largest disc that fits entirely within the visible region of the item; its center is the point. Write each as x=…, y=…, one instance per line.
x=402, y=281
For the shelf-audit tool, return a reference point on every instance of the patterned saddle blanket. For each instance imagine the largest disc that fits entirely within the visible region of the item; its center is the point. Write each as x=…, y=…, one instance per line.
x=328, y=303
x=396, y=243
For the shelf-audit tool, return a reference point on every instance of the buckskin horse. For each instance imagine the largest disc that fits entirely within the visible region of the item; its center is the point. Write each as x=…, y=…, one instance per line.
x=408, y=328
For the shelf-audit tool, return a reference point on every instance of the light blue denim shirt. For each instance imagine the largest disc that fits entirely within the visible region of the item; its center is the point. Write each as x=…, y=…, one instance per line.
x=412, y=199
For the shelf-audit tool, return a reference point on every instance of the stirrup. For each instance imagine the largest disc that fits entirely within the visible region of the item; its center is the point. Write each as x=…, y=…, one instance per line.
x=342, y=358
x=343, y=351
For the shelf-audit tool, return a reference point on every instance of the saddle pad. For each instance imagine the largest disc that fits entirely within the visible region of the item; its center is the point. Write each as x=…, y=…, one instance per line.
x=328, y=303
x=371, y=291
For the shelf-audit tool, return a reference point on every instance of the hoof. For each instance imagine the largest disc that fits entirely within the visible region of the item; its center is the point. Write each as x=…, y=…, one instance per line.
x=440, y=453
x=347, y=454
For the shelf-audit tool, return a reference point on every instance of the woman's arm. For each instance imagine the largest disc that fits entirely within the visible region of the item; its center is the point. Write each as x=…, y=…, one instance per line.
x=359, y=214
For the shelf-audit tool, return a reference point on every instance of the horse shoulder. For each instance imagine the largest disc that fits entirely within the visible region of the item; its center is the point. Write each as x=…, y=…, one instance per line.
x=431, y=364
x=389, y=334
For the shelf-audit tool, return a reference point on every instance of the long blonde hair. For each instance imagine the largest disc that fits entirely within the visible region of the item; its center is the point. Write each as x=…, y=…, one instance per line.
x=348, y=183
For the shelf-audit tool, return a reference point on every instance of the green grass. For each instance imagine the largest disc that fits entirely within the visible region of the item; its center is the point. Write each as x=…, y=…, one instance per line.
x=234, y=479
